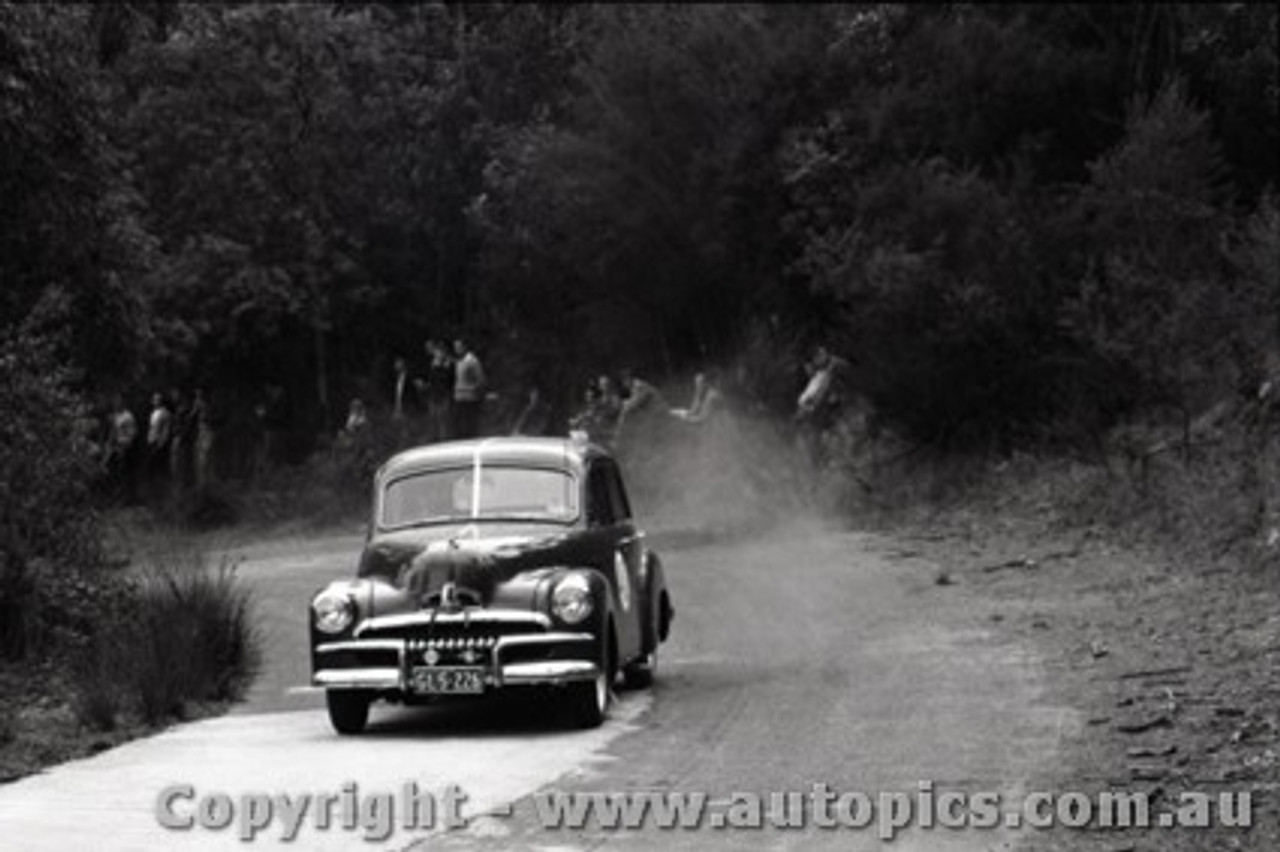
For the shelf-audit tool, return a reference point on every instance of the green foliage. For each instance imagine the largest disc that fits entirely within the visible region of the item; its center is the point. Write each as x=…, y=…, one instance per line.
x=1021, y=223
x=70, y=242
x=1159, y=295
x=48, y=529
x=649, y=211
x=1008, y=267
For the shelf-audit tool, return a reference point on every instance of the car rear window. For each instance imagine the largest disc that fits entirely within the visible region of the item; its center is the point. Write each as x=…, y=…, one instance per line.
x=501, y=493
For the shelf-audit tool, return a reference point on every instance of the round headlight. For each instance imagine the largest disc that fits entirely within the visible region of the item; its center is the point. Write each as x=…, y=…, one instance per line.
x=571, y=601
x=333, y=612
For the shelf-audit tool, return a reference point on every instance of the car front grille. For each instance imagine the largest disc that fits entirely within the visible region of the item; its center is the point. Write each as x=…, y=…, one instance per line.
x=468, y=650
x=478, y=628
x=450, y=634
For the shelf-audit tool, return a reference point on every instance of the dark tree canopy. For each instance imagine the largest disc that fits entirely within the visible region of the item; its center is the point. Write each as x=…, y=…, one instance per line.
x=1014, y=219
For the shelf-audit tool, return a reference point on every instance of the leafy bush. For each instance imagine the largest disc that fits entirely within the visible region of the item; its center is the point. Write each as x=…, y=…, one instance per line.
x=945, y=309
x=1159, y=296
x=48, y=529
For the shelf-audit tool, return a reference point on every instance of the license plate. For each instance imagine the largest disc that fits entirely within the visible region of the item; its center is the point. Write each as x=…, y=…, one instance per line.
x=448, y=680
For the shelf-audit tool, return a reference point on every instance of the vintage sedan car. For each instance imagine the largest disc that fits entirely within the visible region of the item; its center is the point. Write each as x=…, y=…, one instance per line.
x=493, y=564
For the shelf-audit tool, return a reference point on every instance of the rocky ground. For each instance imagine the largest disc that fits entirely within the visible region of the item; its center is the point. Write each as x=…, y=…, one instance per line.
x=1173, y=663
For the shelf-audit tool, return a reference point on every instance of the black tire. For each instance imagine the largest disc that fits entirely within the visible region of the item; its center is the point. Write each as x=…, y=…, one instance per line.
x=640, y=674
x=348, y=710
x=587, y=702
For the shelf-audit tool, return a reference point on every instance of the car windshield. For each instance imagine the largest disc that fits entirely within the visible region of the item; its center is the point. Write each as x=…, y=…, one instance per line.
x=500, y=493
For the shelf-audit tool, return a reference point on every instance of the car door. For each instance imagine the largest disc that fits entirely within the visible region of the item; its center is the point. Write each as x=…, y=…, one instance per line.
x=610, y=515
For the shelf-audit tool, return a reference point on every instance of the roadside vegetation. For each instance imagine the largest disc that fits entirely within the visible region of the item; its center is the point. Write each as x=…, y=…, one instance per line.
x=1045, y=239
x=94, y=649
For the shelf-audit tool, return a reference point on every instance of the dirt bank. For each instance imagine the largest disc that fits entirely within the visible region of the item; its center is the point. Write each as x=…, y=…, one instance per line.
x=1174, y=664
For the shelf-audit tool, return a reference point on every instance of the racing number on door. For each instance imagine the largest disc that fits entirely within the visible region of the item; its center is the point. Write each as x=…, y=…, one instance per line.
x=624, y=579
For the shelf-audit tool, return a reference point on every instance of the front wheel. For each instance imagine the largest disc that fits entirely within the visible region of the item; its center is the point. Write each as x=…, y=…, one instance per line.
x=587, y=702
x=348, y=710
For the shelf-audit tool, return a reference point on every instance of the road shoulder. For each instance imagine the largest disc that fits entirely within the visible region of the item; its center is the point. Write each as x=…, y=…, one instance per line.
x=1173, y=664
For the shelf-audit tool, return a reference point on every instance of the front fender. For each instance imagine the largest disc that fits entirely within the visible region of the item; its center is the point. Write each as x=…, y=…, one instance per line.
x=370, y=596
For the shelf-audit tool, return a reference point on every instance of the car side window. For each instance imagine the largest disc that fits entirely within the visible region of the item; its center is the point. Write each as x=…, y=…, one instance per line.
x=599, y=498
x=618, y=494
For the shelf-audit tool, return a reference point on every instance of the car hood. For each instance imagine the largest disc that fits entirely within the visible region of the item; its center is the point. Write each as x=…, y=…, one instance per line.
x=386, y=553
x=477, y=557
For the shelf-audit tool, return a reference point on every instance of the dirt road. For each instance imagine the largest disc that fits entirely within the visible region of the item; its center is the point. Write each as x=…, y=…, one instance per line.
x=800, y=657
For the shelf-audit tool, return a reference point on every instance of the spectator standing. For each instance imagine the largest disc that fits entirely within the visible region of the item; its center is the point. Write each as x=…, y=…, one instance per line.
x=817, y=387
x=643, y=409
x=439, y=391
x=403, y=391
x=89, y=431
x=203, y=423
x=404, y=400
x=587, y=420
x=609, y=410
x=819, y=403
x=534, y=417
x=159, y=438
x=357, y=419
x=468, y=391
x=121, y=450
x=642, y=432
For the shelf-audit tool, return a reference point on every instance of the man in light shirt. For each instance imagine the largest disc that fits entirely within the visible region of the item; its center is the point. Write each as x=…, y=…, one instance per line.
x=468, y=391
x=159, y=433
x=819, y=403
x=401, y=388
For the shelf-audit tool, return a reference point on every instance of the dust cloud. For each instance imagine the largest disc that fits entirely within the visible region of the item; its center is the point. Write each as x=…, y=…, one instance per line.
x=735, y=472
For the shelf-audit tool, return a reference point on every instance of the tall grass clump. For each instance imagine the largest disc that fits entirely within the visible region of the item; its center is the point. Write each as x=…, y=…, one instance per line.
x=186, y=636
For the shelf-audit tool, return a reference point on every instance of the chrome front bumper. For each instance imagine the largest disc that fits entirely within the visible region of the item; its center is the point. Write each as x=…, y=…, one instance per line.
x=499, y=674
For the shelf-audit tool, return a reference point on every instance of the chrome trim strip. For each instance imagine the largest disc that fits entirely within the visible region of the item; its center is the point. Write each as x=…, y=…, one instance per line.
x=549, y=671
x=540, y=639
x=358, y=678
x=514, y=674
x=534, y=639
x=473, y=616
x=361, y=645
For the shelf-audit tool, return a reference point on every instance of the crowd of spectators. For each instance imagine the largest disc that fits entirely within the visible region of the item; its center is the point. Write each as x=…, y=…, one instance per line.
x=445, y=395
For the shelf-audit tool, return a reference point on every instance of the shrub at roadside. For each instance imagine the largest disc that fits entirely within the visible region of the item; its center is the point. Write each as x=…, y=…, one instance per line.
x=182, y=635
x=82, y=638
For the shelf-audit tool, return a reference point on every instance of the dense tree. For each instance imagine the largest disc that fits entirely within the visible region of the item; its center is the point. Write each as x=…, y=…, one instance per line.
x=71, y=244
x=981, y=172
x=1009, y=216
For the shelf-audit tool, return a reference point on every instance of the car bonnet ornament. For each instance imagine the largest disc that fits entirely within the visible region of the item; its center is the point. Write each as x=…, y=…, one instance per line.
x=449, y=597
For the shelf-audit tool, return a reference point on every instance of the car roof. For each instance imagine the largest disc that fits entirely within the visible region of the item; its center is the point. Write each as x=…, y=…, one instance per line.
x=564, y=453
